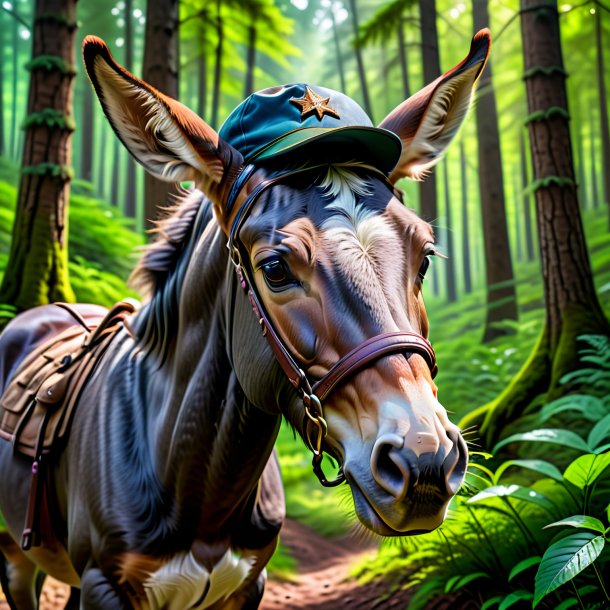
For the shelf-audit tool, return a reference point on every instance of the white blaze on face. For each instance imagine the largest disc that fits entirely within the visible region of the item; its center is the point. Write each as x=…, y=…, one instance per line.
x=183, y=583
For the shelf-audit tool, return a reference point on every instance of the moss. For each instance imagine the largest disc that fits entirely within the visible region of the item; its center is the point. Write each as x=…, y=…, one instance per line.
x=51, y=118
x=65, y=172
x=544, y=71
x=547, y=115
x=49, y=63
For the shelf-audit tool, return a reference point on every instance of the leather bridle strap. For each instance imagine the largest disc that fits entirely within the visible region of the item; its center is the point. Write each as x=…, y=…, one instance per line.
x=379, y=346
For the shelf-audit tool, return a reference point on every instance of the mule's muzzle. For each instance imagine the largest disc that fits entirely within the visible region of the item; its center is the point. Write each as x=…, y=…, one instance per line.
x=409, y=484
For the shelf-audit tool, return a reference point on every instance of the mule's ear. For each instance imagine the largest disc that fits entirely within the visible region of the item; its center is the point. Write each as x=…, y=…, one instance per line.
x=168, y=139
x=427, y=122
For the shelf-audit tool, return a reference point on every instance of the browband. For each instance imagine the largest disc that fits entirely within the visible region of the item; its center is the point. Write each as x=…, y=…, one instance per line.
x=371, y=350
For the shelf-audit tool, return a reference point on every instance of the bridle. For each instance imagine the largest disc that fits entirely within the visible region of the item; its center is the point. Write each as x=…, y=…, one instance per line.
x=371, y=350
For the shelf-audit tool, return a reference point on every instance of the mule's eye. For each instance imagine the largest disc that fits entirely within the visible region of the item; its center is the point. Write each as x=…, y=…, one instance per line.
x=424, y=267
x=277, y=275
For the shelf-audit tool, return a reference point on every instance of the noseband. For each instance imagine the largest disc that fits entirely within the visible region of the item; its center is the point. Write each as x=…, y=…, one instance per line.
x=371, y=350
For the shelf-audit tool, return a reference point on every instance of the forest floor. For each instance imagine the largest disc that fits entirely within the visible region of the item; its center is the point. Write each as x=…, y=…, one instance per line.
x=322, y=580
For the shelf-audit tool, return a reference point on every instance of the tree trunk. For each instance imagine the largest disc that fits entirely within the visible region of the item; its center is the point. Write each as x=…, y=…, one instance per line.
x=340, y=67
x=116, y=164
x=466, y=245
x=428, y=205
x=404, y=62
x=1, y=88
x=571, y=305
x=577, y=124
x=37, y=269
x=130, y=179
x=527, y=208
x=250, y=59
x=594, y=190
x=101, y=162
x=202, y=71
x=517, y=208
x=217, y=69
x=603, y=109
x=14, y=126
x=501, y=297
x=160, y=69
x=450, y=262
x=361, y=73
x=87, y=134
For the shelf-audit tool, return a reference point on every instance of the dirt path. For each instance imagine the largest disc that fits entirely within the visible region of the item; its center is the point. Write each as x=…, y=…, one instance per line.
x=321, y=583
x=322, y=580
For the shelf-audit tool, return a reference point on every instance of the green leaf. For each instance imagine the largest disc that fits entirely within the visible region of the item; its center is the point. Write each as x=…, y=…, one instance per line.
x=451, y=583
x=567, y=603
x=586, y=469
x=557, y=436
x=524, y=565
x=564, y=559
x=589, y=407
x=540, y=466
x=514, y=598
x=465, y=580
x=583, y=521
x=513, y=491
x=494, y=601
x=599, y=432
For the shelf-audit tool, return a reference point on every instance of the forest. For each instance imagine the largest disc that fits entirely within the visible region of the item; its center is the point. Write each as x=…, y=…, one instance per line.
x=518, y=304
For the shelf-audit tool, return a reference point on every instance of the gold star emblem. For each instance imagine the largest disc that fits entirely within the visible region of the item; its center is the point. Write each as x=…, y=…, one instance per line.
x=312, y=102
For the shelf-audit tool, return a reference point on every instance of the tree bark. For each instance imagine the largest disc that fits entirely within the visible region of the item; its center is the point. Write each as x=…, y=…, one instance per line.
x=250, y=59
x=577, y=124
x=87, y=134
x=217, y=68
x=571, y=304
x=101, y=161
x=428, y=204
x=2, y=149
x=603, y=109
x=501, y=297
x=517, y=208
x=527, y=200
x=450, y=262
x=404, y=62
x=37, y=269
x=14, y=126
x=594, y=190
x=202, y=71
x=340, y=67
x=359, y=62
x=160, y=69
x=130, y=178
x=466, y=245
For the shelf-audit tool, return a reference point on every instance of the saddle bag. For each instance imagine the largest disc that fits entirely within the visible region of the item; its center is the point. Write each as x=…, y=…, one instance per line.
x=39, y=402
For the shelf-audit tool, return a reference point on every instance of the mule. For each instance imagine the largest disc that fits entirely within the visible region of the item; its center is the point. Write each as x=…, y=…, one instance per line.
x=167, y=493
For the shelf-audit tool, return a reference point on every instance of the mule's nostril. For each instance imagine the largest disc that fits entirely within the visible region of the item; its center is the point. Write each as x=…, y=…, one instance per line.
x=389, y=467
x=456, y=462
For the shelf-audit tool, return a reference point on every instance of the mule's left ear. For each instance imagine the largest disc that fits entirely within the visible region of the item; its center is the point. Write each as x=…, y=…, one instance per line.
x=427, y=122
x=168, y=139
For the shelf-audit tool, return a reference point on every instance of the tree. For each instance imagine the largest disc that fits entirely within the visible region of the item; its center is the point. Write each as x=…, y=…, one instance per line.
x=451, y=284
x=527, y=208
x=160, y=69
x=359, y=62
x=571, y=304
x=465, y=222
x=130, y=178
x=501, y=297
x=37, y=270
x=603, y=108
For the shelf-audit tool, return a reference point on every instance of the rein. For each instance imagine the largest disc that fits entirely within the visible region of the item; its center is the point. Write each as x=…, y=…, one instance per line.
x=371, y=350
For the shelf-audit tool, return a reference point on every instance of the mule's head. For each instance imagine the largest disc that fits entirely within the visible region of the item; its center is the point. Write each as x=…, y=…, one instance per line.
x=336, y=258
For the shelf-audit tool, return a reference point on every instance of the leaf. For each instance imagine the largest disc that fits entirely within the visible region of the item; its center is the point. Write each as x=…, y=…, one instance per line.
x=465, y=580
x=586, y=469
x=583, y=521
x=557, y=436
x=567, y=603
x=491, y=602
x=589, y=407
x=524, y=565
x=514, y=491
x=540, y=466
x=513, y=598
x=599, y=432
x=564, y=559
x=451, y=583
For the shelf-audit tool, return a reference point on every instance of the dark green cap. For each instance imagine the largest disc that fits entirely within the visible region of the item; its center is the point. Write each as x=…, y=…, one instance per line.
x=309, y=123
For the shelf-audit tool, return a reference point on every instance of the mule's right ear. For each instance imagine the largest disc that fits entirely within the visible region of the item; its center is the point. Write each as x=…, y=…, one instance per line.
x=168, y=139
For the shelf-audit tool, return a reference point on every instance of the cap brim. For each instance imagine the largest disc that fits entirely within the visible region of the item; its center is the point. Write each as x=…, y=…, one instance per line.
x=378, y=147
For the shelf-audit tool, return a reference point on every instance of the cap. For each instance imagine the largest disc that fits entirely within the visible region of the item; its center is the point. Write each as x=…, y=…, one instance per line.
x=308, y=122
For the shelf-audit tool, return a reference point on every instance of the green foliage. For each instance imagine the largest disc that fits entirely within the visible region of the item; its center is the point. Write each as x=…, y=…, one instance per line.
x=65, y=172
x=50, y=62
x=51, y=118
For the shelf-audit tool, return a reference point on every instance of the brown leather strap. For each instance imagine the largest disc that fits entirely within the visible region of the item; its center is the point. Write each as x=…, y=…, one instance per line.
x=369, y=351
